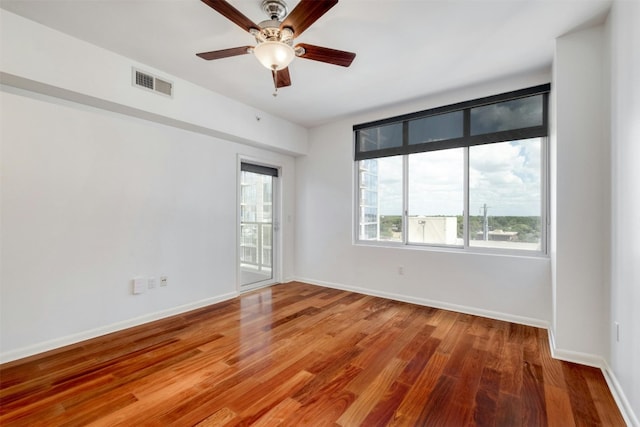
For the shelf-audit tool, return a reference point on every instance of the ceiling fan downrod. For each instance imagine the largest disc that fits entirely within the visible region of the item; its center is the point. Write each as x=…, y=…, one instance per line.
x=276, y=10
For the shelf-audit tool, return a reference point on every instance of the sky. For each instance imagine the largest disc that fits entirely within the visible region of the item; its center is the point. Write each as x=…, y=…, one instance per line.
x=505, y=176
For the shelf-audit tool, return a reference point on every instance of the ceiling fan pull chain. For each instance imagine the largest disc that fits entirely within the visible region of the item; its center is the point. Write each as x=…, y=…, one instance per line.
x=275, y=81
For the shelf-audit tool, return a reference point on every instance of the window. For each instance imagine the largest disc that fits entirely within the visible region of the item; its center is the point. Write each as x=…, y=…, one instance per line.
x=435, y=196
x=256, y=196
x=380, y=199
x=436, y=128
x=471, y=175
x=505, y=194
x=508, y=115
x=381, y=137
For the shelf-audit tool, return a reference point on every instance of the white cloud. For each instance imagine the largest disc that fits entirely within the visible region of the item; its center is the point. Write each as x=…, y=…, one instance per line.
x=436, y=183
x=390, y=185
x=506, y=176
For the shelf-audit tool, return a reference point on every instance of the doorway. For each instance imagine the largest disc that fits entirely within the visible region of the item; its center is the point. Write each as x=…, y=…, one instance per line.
x=258, y=225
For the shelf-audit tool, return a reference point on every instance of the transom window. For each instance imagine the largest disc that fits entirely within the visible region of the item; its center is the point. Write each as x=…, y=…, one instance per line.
x=470, y=175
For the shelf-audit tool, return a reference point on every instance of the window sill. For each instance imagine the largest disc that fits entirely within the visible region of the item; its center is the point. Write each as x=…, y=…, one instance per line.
x=455, y=249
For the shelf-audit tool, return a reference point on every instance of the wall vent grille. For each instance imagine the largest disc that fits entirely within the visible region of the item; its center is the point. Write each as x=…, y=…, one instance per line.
x=163, y=87
x=148, y=81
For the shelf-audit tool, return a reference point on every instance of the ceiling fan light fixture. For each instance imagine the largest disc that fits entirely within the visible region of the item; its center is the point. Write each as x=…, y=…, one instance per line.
x=275, y=36
x=274, y=55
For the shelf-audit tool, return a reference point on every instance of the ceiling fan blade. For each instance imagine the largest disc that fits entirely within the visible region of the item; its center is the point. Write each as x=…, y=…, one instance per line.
x=231, y=13
x=306, y=13
x=324, y=54
x=282, y=78
x=224, y=53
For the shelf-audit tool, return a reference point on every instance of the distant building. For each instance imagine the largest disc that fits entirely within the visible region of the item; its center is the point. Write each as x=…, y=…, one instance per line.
x=438, y=230
x=255, y=221
x=499, y=235
x=369, y=219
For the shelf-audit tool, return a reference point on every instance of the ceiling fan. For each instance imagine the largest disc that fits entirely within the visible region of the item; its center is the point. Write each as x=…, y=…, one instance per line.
x=274, y=37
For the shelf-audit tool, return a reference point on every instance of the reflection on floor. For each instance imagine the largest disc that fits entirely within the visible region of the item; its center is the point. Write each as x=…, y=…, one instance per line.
x=250, y=274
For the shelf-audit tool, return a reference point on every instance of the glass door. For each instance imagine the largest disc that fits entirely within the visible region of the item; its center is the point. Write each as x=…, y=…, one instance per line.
x=257, y=225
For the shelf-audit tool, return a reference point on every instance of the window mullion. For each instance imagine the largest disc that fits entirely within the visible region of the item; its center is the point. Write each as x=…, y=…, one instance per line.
x=405, y=199
x=465, y=213
x=545, y=196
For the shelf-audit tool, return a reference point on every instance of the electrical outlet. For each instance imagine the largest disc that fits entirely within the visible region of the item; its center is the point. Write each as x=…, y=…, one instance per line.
x=152, y=282
x=163, y=281
x=139, y=285
x=401, y=270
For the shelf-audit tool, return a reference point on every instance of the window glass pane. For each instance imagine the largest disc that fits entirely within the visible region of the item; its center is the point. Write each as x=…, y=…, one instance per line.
x=380, y=137
x=380, y=199
x=505, y=188
x=436, y=128
x=436, y=197
x=508, y=115
x=256, y=215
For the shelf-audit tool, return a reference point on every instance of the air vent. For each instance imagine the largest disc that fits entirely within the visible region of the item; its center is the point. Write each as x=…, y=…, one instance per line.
x=150, y=82
x=163, y=87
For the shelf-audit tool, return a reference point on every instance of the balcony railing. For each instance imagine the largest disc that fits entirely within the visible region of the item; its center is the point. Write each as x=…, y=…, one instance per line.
x=255, y=245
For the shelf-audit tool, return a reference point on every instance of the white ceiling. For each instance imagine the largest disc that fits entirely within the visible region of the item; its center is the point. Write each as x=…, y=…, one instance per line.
x=406, y=49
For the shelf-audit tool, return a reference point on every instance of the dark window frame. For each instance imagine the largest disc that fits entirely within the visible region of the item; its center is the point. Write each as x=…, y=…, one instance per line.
x=467, y=140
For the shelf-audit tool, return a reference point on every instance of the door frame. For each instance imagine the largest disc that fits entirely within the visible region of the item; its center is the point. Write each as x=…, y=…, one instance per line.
x=276, y=239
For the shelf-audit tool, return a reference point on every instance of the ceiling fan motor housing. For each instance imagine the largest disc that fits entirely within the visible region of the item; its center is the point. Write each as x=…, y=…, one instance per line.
x=270, y=32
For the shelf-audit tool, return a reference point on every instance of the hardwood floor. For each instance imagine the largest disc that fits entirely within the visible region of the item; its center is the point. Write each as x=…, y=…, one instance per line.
x=297, y=355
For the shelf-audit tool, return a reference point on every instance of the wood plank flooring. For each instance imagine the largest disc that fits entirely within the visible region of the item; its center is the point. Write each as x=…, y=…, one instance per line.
x=303, y=355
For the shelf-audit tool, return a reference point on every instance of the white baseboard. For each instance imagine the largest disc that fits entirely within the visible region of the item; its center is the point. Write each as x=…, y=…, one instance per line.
x=114, y=327
x=573, y=356
x=618, y=395
x=598, y=362
x=570, y=356
x=538, y=323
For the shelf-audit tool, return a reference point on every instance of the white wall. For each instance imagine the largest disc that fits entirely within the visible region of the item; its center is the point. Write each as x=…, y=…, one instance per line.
x=41, y=59
x=580, y=183
x=507, y=287
x=596, y=193
x=91, y=199
x=624, y=37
